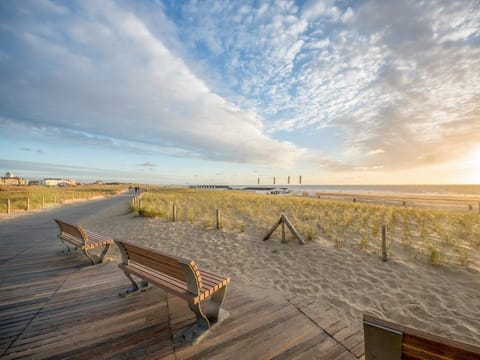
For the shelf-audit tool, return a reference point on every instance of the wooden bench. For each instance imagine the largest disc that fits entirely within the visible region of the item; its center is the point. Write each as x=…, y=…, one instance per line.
x=387, y=340
x=204, y=291
x=82, y=239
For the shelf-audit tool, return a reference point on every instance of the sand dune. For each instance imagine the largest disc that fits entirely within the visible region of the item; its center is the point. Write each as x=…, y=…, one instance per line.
x=444, y=300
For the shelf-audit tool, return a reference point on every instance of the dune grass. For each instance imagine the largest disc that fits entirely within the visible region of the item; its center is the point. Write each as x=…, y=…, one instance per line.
x=40, y=196
x=439, y=237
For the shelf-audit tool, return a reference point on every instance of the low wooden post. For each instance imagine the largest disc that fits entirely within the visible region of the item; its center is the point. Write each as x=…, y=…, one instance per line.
x=8, y=206
x=174, y=213
x=55, y=200
x=28, y=204
x=43, y=201
x=140, y=204
x=284, y=240
x=217, y=218
x=384, y=242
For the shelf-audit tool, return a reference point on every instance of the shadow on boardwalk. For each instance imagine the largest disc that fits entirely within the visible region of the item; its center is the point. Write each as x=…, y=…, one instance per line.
x=54, y=306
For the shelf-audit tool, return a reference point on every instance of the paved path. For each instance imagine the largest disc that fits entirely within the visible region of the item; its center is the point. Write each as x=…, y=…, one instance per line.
x=21, y=233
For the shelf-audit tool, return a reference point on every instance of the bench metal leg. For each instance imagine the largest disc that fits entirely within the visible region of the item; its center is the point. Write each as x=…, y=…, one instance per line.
x=214, y=303
x=64, y=243
x=135, y=288
x=97, y=259
x=92, y=260
x=200, y=327
x=104, y=252
x=202, y=320
x=208, y=313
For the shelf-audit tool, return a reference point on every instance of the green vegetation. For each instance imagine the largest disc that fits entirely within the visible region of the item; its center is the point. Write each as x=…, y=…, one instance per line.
x=40, y=196
x=436, y=236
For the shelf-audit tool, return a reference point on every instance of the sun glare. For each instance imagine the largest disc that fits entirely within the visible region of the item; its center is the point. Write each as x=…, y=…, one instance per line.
x=476, y=158
x=475, y=161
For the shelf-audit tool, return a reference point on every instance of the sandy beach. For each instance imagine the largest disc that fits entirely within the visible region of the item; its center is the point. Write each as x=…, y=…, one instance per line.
x=444, y=300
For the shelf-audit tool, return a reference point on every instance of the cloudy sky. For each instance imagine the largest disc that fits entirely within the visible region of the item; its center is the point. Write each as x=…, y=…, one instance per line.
x=340, y=92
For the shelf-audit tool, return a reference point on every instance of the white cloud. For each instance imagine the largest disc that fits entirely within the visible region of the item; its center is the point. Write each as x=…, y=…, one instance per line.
x=376, y=152
x=117, y=80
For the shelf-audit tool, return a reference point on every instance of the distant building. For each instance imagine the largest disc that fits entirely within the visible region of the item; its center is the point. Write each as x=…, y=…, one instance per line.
x=10, y=179
x=52, y=181
x=59, y=182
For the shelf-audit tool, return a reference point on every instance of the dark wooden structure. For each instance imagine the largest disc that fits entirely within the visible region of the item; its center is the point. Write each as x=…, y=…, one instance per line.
x=282, y=221
x=83, y=239
x=391, y=341
x=203, y=291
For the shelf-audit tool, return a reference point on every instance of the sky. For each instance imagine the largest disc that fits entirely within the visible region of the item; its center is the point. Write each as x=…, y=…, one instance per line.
x=235, y=92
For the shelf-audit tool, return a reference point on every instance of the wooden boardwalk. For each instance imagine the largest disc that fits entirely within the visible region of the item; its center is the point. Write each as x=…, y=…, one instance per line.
x=55, y=306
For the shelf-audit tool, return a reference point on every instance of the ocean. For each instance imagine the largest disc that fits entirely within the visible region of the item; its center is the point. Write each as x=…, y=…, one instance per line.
x=454, y=191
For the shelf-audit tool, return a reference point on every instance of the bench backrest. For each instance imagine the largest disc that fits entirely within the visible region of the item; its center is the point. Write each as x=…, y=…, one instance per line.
x=387, y=340
x=181, y=269
x=73, y=230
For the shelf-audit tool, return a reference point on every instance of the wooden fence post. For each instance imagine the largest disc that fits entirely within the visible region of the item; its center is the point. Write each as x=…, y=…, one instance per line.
x=217, y=217
x=43, y=201
x=28, y=204
x=55, y=200
x=8, y=206
x=174, y=213
x=384, y=242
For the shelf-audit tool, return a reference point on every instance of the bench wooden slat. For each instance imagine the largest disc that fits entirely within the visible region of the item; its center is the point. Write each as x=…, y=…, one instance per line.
x=150, y=273
x=172, y=270
x=72, y=239
x=165, y=282
x=148, y=251
x=159, y=258
x=96, y=237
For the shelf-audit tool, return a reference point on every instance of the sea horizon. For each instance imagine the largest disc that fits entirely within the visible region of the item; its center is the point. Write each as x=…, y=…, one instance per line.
x=448, y=190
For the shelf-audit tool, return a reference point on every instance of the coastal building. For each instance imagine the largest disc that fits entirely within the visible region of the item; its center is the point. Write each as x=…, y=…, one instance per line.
x=10, y=179
x=52, y=181
x=59, y=182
